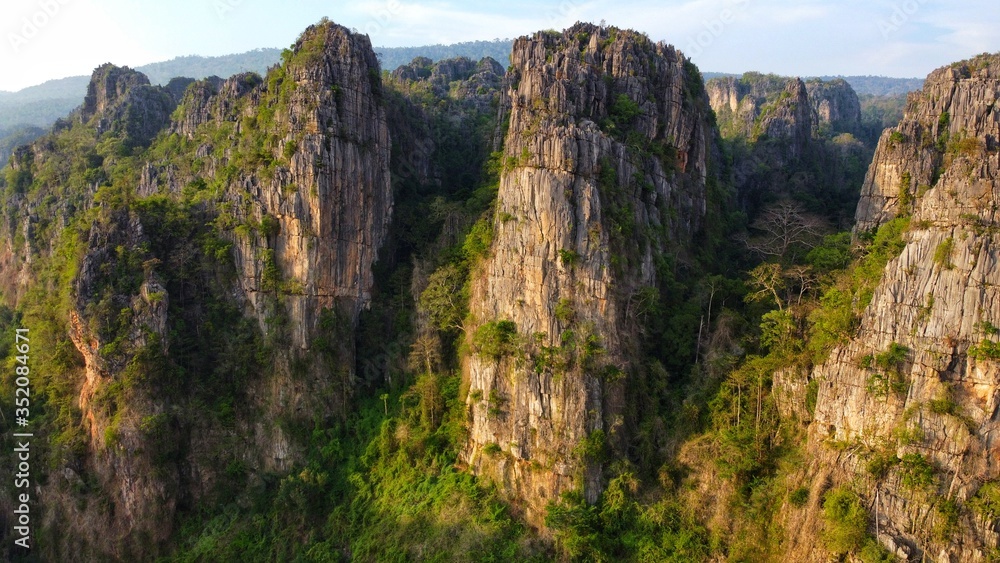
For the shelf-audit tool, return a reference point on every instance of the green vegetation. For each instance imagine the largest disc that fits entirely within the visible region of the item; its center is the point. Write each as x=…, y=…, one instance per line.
x=905, y=196
x=852, y=290
x=917, y=473
x=986, y=502
x=942, y=254
x=376, y=472
x=846, y=521
x=799, y=497
x=620, y=528
x=495, y=339
x=392, y=57
x=569, y=258
x=985, y=350
x=887, y=371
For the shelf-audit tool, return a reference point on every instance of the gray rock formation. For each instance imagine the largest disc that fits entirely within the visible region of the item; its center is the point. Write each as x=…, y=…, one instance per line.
x=835, y=106
x=953, y=116
x=126, y=105
x=568, y=251
x=324, y=189
x=299, y=173
x=933, y=405
x=758, y=105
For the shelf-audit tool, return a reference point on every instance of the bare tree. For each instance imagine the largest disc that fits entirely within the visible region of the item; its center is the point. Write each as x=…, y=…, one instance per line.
x=769, y=280
x=801, y=277
x=785, y=229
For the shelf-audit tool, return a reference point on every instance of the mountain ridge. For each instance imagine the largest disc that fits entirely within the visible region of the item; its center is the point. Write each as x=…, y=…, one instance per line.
x=563, y=310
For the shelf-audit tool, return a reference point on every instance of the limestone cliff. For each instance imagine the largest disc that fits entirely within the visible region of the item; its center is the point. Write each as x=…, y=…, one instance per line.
x=913, y=397
x=835, y=106
x=757, y=104
x=120, y=315
x=792, y=140
x=763, y=105
x=951, y=118
x=605, y=162
x=318, y=189
x=269, y=198
x=125, y=104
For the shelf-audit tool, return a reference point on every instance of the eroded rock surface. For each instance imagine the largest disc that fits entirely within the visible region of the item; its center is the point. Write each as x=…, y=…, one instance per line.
x=581, y=216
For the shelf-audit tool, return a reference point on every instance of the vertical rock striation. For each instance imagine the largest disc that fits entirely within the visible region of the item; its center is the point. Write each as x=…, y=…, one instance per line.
x=919, y=382
x=293, y=171
x=951, y=117
x=760, y=106
x=606, y=158
x=835, y=106
x=316, y=183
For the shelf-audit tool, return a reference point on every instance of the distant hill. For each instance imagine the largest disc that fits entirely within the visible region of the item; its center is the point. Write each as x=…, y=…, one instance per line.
x=29, y=111
x=393, y=57
x=225, y=66
x=11, y=138
x=881, y=85
x=862, y=85
x=41, y=105
x=35, y=108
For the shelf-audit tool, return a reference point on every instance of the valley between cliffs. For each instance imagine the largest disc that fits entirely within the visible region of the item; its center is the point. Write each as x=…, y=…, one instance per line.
x=584, y=306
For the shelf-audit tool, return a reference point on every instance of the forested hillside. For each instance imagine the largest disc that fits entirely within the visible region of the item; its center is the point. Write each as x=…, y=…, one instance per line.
x=576, y=304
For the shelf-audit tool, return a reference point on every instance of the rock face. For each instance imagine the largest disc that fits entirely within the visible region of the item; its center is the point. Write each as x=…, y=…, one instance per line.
x=763, y=105
x=952, y=117
x=835, y=106
x=122, y=461
x=126, y=105
x=469, y=93
x=757, y=104
x=795, y=141
x=322, y=200
x=572, y=245
x=919, y=383
x=298, y=167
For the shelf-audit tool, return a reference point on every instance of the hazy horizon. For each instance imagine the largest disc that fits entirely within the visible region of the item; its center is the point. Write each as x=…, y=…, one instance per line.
x=51, y=39
x=377, y=47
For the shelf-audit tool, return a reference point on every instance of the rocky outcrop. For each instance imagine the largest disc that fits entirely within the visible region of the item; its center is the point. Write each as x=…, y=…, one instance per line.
x=306, y=159
x=330, y=207
x=581, y=216
x=918, y=385
x=756, y=106
x=953, y=116
x=118, y=313
x=440, y=120
x=783, y=108
x=197, y=106
x=796, y=142
x=109, y=85
x=125, y=105
x=177, y=86
x=460, y=78
x=297, y=169
x=835, y=106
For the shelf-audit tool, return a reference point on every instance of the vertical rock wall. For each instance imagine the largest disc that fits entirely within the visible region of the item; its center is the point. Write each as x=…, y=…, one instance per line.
x=936, y=306
x=585, y=206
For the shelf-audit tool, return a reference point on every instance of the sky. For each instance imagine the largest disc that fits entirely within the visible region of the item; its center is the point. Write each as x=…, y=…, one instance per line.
x=46, y=39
